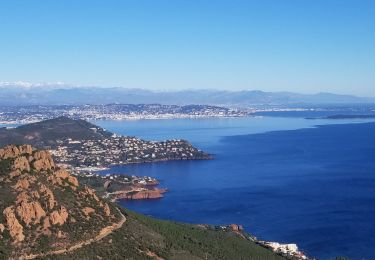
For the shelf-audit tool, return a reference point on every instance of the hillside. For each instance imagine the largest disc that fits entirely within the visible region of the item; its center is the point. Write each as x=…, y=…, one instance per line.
x=44, y=208
x=45, y=133
x=142, y=237
x=47, y=214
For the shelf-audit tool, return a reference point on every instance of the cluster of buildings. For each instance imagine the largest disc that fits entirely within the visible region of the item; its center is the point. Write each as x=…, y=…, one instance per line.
x=120, y=178
x=31, y=114
x=121, y=150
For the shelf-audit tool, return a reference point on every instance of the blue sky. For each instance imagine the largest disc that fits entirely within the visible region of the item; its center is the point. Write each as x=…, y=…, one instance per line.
x=305, y=46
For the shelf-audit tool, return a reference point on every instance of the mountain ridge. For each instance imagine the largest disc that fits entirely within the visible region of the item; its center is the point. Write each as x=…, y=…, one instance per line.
x=14, y=94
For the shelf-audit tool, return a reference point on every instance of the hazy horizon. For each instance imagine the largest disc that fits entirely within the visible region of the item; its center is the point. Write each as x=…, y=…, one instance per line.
x=62, y=85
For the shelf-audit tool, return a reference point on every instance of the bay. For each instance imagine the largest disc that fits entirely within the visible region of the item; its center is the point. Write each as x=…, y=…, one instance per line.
x=284, y=179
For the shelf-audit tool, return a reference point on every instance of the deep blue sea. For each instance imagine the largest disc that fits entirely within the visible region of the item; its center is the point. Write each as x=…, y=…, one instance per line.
x=282, y=178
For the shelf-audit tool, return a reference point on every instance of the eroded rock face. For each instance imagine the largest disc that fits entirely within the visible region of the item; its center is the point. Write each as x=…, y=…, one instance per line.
x=21, y=164
x=12, y=151
x=87, y=210
x=25, y=149
x=107, y=210
x=60, y=177
x=43, y=161
x=90, y=193
x=39, y=199
x=30, y=212
x=59, y=217
x=22, y=185
x=15, y=228
x=49, y=195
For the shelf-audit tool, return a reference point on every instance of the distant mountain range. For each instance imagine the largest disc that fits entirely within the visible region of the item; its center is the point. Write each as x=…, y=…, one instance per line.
x=21, y=93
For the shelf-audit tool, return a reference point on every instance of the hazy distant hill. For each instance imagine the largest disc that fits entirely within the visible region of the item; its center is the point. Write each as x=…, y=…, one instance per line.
x=16, y=94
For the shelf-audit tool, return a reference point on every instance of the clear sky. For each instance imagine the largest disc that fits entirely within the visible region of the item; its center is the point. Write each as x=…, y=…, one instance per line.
x=303, y=46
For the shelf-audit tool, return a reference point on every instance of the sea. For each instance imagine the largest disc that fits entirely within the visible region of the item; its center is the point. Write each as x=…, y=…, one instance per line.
x=282, y=176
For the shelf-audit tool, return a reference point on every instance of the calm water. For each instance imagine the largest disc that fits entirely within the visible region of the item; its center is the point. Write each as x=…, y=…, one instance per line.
x=281, y=178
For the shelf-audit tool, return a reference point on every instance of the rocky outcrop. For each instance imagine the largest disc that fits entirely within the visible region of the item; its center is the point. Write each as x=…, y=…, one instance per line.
x=63, y=178
x=43, y=200
x=12, y=151
x=87, y=210
x=25, y=149
x=59, y=217
x=22, y=184
x=48, y=194
x=14, y=227
x=30, y=212
x=107, y=210
x=88, y=192
x=43, y=161
x=141, y=194
x=236, y=228
x=21, y=164
x=9, y=152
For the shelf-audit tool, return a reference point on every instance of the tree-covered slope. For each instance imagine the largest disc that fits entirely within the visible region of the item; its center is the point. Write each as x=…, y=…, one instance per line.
x=142, y=237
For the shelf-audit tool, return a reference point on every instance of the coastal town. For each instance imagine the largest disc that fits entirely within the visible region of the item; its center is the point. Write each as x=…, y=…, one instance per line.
x=121, y=150
x=14, y=115
x=85, y=148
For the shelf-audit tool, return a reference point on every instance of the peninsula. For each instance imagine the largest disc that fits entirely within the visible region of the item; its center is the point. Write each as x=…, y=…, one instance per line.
x=81, y=144
x=84, y=147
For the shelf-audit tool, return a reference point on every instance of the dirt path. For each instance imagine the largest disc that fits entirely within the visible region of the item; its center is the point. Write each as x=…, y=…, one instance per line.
x=102, y=234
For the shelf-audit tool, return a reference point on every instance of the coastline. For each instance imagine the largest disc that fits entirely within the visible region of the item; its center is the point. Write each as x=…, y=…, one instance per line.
x=15, y=123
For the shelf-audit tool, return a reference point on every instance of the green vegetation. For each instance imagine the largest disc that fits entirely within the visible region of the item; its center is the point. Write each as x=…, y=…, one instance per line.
x=5, y=166
x=170, y=240
x=46, y=133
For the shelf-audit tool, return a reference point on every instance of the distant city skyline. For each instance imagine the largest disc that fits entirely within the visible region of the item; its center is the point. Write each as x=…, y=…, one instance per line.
x=270, y=45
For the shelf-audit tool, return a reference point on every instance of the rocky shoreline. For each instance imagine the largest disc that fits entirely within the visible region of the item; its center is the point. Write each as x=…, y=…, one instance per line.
x=289, y=251
x=122, y=186
x=139, y=194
